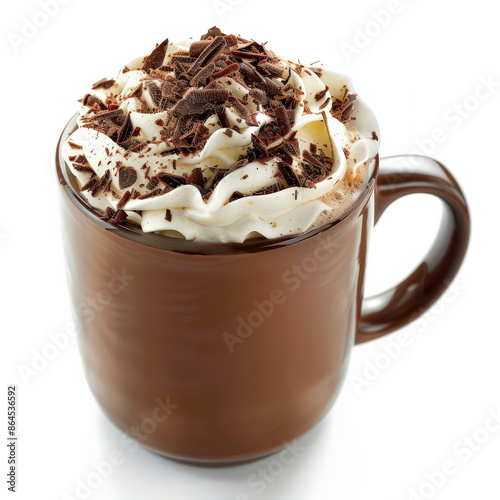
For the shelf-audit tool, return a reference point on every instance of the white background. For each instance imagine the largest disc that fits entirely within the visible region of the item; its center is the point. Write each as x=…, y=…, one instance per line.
x=417, y=68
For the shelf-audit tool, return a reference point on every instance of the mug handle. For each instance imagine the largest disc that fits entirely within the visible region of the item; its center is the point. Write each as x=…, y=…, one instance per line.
x=394, y=308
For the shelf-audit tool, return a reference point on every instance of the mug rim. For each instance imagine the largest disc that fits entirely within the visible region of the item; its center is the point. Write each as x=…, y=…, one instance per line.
x=179, y=245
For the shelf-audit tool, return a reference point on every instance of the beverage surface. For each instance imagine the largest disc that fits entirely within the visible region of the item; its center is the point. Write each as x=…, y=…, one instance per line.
x=221, y=139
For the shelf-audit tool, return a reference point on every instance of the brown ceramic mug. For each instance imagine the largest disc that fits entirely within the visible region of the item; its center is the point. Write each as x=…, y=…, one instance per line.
x=220, y=352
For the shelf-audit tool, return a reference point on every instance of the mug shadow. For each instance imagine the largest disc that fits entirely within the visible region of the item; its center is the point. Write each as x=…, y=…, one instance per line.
x=146, y=474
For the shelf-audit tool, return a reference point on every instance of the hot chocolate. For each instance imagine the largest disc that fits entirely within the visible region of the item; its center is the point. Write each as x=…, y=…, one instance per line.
x=232, y=339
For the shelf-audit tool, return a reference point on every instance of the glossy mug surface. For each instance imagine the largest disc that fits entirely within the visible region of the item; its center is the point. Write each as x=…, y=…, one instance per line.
x=225, y=352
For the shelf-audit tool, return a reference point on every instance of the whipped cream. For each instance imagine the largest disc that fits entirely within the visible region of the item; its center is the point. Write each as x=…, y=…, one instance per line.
x=144, y=177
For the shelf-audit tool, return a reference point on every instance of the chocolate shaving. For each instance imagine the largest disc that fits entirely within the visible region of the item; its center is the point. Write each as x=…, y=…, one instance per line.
x=104, y=83
x=89, y=186
x=342, y=110
x=228, y=70
x=171, y=180
x=259, y=146
x=292, y=145
x=137, y=92
x=282, y=119
x=249, y=73
x=168, y=215
x=208, y=55
x=154, y=193
x=196, y=178
x=201, y=134
x=248, y=55
x=223, y=120
x=217, y=175
x=120, y=216
x=259, y=96
x=272, y=69
x=282, y=152
x=106, y=115
x=127, y=176
x=83, y=168
x=159, y=74
x=203, y=75
x=236, y=196
x=348, y=107
x=272, y=88
x=124, y=199
x=198, y=47
x=212, y=33
x=101, y=184
x=273, y=188
x=288, y=175
x=93, y=102
x=180, y=72
x=155, y=92
x=152, y=184
x=198, y=101
x=325, y=104
x=269, y=133
x=137, y=147
x=108, y=214
x=316, y=168
x=309, y=157
x=243, y=111
x=321, y=94
x=183, y=58
x=80, y=159
x=125, y=131
x=155, y=59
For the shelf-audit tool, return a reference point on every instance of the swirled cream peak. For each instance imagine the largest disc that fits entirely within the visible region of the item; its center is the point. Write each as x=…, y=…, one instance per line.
x=219, y=139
